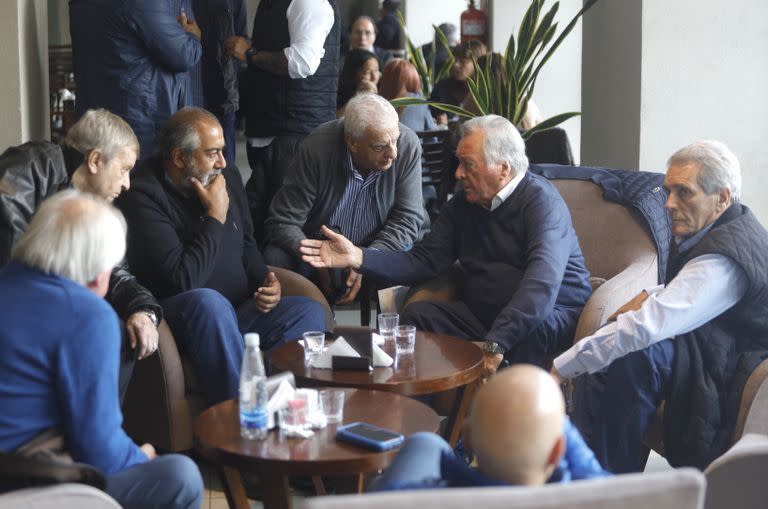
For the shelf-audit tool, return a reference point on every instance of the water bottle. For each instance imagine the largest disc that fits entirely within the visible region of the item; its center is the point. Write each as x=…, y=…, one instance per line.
x=253, y=392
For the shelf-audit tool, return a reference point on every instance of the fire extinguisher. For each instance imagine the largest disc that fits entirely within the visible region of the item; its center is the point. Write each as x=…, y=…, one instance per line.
x=474, y=24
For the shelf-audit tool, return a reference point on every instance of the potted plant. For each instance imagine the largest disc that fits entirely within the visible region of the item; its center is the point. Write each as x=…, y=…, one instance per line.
x=508, y=92
x=427, y=72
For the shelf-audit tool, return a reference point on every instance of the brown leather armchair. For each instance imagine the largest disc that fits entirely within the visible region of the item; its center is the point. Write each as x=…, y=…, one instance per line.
x=162, y=398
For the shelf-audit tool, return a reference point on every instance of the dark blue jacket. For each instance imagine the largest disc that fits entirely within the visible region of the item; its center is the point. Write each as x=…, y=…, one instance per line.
x=578, y=463
x=130, y=57
x=640, y=191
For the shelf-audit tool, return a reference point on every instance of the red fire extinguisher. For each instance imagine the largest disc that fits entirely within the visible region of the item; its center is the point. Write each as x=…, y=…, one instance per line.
x=474, y=24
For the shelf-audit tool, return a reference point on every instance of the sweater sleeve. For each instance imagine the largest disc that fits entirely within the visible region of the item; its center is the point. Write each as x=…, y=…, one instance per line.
x=164, y=38
x=433, y=253
x=87, y=386
x=548, y=226
x=159, y=257
x=407, y=214
x=293, y=202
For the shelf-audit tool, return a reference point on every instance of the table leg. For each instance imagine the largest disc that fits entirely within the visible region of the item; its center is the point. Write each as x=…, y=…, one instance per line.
x=276, y=494
x=458, y=413
x=319, y=486
x=233, y=488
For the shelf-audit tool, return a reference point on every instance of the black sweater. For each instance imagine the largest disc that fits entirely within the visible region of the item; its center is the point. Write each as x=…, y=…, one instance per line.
x=521, y=259
x=173, y=246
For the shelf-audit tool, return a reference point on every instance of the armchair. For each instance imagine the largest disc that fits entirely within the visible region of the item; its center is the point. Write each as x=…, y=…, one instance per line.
x=162, y=398
x=682, y=489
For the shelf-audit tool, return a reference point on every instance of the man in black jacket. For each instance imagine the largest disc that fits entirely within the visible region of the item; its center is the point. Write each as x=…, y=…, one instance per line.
x=192, y=245
x=290, y=88
x=97, y=156
x=714, y=306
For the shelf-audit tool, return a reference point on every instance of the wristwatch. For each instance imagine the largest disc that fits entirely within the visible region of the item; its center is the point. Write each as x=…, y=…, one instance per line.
x=249, y=55
x=152, y=316
x=492, y=348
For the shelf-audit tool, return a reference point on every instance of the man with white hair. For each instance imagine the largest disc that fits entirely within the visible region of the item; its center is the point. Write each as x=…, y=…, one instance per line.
x=693, y=341
x=519, y=434
x=524, y=279
x=60, y=372
x=360, y=175
x=96, y=156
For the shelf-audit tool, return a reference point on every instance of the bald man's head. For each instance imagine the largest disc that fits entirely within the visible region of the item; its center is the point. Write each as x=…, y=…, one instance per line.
x=516, y=425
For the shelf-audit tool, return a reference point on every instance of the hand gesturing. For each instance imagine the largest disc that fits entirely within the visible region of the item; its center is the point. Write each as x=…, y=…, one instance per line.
x=336, y=252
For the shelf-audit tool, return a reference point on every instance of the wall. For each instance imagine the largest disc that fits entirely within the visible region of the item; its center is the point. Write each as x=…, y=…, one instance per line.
x=420, y=15
x=703, y=76
x=558, y=88
x=23, y=65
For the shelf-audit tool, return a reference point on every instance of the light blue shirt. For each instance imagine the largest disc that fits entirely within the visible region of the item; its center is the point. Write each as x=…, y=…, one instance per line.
x=705, y=287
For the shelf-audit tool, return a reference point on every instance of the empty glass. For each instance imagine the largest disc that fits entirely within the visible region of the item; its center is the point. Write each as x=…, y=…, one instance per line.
x=387, y=324
x=405, y=339
x=332, y=403
x=313, y=345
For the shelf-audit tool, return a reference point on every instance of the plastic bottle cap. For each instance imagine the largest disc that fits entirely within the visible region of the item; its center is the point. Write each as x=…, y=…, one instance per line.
x=252, y=340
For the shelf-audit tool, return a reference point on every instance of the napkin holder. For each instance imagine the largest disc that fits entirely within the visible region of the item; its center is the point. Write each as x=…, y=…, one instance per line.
x=361, y=340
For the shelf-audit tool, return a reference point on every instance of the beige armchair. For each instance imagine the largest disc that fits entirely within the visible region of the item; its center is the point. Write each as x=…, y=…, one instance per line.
x=58, y=496
x=163, y=397
x=681, y=489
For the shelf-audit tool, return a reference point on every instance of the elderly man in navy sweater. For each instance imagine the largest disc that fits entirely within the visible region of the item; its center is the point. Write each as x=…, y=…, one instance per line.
x=525, y=281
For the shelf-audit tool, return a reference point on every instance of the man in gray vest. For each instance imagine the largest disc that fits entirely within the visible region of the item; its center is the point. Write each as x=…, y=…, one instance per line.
x=289, y=88
x=692, y=342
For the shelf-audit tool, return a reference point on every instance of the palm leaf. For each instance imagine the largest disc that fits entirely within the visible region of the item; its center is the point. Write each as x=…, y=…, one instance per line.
x=412, y=101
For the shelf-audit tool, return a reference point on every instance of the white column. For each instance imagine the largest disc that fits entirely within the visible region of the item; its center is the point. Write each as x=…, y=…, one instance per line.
x=24, y=67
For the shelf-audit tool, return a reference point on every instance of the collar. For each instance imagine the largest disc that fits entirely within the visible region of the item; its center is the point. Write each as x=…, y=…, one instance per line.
x=506, y=191
x=354, y=173
x=684, y=244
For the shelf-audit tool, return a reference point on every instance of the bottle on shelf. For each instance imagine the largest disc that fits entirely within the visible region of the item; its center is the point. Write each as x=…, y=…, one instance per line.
x=253, y=392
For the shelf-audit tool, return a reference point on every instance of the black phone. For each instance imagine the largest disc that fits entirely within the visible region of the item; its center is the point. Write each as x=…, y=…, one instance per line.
x=369, y=436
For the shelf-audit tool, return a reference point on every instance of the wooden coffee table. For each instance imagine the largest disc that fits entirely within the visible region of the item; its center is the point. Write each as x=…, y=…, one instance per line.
x=275, y=459
x=439, y=363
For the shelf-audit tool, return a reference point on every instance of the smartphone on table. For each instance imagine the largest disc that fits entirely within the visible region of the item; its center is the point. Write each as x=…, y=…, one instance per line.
x=369, y=436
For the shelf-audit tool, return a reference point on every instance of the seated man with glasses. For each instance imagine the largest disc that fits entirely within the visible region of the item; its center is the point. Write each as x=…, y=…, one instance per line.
x=360, y=174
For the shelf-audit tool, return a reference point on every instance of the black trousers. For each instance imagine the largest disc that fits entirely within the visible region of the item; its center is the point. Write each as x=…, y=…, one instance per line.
x=545, y=342
x=268, y=164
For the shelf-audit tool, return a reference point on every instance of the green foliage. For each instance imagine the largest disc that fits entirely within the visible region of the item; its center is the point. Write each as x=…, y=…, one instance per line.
x=507, y=92
x=427, y=72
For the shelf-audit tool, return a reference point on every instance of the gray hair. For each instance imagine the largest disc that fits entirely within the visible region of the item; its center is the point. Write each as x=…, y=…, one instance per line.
x=180, y=131
x=718, y=166
x=368, y=110
x=101, y=130
x=74, y=235
x=503, y=142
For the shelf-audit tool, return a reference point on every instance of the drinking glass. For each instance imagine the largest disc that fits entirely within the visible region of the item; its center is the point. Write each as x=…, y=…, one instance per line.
x=313, y=345
x=387, y=324
x=332, y=403
x=405, y=339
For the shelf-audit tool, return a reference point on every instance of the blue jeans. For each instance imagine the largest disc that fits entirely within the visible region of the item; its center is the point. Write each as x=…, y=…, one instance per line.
x=172, y=481
x=418, y=462
x=614, y=407
x=209, y=333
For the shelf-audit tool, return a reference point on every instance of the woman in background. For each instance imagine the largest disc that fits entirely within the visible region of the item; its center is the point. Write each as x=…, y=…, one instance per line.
x=453, y=89
x=360, y=73
x=400, y=79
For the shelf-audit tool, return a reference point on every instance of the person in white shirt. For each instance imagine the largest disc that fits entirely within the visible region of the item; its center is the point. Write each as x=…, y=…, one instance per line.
x=689, y=342
x=288, y=90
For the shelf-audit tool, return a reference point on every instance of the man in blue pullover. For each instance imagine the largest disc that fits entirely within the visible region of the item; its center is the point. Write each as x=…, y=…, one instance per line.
x=60, y=342
x=524, y=279
x=518, y=431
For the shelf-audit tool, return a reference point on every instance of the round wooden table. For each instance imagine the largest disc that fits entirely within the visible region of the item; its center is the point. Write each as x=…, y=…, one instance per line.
x=217, y=437
x=439, y=363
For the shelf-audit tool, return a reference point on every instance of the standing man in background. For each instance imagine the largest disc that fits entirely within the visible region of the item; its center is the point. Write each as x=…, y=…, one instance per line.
x=131, y=58
x=293, y=72
x=219, y=20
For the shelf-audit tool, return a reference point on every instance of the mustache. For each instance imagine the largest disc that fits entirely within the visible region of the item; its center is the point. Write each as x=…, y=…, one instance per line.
x=206, y=180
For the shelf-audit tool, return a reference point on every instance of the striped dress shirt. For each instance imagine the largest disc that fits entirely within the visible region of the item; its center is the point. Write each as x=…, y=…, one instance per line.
x=356, y=216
